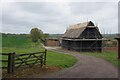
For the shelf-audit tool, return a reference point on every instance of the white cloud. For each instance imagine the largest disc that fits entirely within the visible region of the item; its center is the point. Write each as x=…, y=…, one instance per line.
x=60, y=1
x=54, y=17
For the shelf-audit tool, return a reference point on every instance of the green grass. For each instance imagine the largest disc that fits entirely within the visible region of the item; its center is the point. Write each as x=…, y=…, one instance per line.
x=107, y=55
x=21, y=45
x=60, y=60
x=15, y=41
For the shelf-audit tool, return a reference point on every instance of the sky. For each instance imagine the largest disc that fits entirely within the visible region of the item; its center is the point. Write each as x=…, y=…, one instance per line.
x=56, y=17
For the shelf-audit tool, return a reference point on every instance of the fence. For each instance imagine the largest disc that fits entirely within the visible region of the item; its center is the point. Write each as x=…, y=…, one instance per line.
x=4, y=61
x=110, y=45
x=21, y=60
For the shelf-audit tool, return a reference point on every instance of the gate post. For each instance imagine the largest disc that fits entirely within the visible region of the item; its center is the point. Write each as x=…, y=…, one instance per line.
x=10, y=67
x=118, y=39
x=41, y=60
x=13, y=61
x=45, y=57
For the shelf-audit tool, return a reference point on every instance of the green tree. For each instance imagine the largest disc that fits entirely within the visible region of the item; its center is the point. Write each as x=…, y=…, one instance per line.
x=36, y=34
x=44, y=36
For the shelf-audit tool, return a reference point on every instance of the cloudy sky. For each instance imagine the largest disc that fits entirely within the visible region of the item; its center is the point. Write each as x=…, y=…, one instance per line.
x=55, y=17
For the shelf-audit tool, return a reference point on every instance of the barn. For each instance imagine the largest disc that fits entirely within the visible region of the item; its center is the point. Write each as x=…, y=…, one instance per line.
x=52, y=42
x=83, y=37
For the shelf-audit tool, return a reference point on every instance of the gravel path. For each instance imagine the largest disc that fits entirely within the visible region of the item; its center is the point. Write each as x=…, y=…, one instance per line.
x=86, y=67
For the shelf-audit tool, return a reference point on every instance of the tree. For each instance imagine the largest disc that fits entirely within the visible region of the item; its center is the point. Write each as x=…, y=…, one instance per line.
x=36, y=34
x=45, y=36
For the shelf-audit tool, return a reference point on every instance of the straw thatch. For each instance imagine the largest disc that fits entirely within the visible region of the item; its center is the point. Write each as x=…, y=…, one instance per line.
x=74, y=31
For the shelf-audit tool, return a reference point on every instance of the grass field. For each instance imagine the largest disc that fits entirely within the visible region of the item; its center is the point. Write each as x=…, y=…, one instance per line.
x=110, y=56
x=22, y=44
x=60, y=60
x=19, y=44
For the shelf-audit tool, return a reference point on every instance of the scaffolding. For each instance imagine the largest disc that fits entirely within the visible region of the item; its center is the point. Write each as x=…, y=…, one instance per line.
x=83, y=37
x=90, y=42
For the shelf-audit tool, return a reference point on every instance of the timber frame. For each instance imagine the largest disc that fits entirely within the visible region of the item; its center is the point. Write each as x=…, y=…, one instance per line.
x=83, y=37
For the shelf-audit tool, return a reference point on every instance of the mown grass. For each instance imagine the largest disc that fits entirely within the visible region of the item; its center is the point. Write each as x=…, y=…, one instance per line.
x=21, y=45
x=60, y=60
x=15, y=41
x=19, y=42
x=110, y=56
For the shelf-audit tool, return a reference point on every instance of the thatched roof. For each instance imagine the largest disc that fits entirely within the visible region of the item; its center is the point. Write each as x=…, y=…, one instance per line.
x=74, y=31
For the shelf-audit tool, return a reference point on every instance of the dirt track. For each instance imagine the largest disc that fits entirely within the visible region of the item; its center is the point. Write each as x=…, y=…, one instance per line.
x=86, y=67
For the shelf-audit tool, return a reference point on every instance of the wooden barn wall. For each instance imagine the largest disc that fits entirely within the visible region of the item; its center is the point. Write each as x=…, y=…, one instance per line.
x=82, y=45
x=65, y=44
x=52, y=43
x=90, y=33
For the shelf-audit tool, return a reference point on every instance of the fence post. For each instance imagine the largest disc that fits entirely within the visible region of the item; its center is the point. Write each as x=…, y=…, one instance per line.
x=10, y=62
x=13, y=61
x=45, y=57
x=41, y=60
x=118, y=39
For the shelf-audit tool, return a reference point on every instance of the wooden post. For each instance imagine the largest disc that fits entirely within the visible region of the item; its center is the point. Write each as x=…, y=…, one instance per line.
x=10, y=62
x=41, y=60
x=118, y=47
x=13, y=61
x=45, y=57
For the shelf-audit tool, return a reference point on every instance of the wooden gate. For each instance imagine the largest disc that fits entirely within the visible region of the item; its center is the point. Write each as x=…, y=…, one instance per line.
x=24, y=60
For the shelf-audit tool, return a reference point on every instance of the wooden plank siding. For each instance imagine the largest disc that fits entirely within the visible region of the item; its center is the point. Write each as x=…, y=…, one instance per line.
x=52, y=42
x=83, y=37
x=82, y=45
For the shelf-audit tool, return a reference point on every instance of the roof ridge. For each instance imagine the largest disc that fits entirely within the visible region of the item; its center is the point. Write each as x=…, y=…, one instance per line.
x=75, y=30
x=79, y=25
